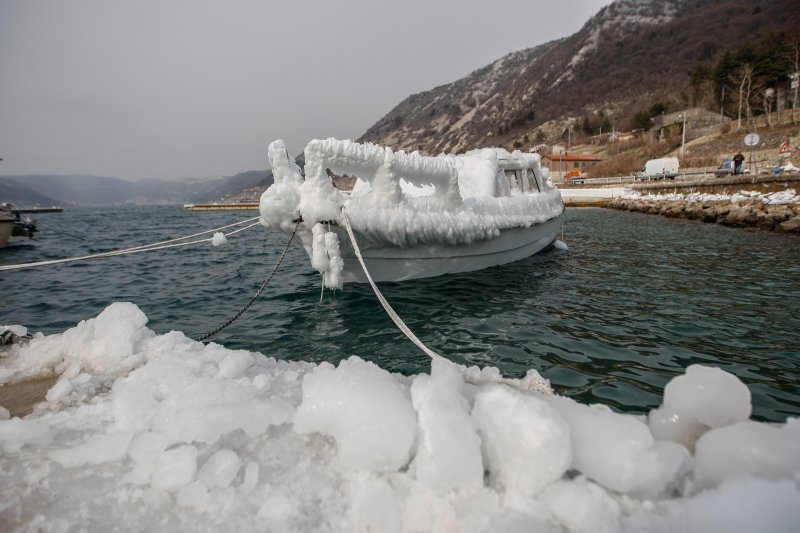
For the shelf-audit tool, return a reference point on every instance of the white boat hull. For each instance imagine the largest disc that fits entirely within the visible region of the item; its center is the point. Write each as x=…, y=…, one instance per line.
x=425, y=261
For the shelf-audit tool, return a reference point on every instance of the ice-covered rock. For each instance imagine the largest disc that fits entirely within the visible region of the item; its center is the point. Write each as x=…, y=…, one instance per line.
x=188, y=441
x=175, y=468
x=702, y=398
x=526, y=442
x=367, y=410
x=747, y=449
x=95, y=450
x=582, y=506
x=448, y=450
x=16, y=432
x=618, y=450
x=219, y=469
x=105, y=345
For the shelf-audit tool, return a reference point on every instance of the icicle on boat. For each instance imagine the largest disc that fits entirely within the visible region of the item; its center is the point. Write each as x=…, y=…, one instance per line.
x=413, y=216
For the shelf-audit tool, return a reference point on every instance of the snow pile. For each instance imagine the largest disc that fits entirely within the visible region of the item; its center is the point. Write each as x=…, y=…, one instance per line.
x=789, y=196
x=400, y=199
x=167, y=433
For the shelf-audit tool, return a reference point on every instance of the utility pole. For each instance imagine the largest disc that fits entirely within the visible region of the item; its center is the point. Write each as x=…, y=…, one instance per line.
x=722, y=106
x=683, y=137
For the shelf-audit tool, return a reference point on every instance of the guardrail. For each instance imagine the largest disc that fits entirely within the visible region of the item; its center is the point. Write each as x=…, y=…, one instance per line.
x=688, y=175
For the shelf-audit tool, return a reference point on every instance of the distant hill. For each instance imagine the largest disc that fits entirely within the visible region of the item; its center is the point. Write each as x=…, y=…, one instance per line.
x=633, y=57
x=46, y=190
x=258, y=180
x=17, y=193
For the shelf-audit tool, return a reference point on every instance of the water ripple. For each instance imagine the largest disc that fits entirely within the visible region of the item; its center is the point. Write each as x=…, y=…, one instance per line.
x=634, y=301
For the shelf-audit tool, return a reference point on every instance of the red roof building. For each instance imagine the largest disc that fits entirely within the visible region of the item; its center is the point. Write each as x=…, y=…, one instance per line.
x=568, y=165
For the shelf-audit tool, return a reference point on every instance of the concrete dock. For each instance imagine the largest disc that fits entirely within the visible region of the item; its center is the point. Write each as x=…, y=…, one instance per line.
x=243, y=206
x=20, y=398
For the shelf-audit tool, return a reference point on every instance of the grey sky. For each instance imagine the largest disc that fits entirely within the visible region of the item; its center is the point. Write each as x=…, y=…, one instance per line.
x=169, y=88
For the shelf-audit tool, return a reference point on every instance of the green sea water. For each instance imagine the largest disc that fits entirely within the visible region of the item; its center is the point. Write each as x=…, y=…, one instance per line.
x=633, y=302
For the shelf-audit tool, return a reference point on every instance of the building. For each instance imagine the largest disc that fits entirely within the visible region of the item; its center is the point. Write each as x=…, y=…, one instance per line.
x=573, y=165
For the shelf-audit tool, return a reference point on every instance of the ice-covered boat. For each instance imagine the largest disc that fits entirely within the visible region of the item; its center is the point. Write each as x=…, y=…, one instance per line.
x=412, y=216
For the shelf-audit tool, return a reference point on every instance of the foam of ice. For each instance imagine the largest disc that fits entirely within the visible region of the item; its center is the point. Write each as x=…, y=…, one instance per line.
x=198, y=437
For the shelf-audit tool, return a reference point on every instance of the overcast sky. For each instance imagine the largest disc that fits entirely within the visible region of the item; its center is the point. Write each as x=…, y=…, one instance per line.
x=193, y=88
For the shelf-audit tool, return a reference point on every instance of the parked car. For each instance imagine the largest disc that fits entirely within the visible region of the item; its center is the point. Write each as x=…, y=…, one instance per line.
x=663, y=168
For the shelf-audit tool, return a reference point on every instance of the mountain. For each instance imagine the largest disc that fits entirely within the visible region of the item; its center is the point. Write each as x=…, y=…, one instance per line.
x=253, y=180
x=631, y=56
x=46, y=190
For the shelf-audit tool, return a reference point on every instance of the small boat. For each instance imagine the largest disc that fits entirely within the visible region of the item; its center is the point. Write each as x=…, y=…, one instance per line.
x=412, y=216
x=12, y=225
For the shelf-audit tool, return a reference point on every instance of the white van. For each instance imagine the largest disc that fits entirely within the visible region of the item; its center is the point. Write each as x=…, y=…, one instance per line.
x=666, y=167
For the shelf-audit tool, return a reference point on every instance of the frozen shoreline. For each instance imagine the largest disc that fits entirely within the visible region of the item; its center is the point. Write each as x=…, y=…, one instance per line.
x=146, y=431
x=779, y=211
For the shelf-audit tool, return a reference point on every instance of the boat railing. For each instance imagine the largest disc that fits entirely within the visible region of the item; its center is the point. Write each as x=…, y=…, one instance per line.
x=381, y=167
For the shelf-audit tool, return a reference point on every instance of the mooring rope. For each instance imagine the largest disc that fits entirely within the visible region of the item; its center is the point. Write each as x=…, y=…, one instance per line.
x=162, y=245
x=389, y=310
x=535, y=383
x=258, y=293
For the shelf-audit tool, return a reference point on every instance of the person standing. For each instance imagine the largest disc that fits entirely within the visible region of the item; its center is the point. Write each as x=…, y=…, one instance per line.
x=738, y=159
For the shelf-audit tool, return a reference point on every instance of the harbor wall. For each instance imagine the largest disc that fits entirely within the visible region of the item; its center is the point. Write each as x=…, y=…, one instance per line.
x=744, y=213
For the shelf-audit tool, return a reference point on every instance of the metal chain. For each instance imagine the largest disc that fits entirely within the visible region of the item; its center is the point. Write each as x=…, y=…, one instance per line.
x=260, y=290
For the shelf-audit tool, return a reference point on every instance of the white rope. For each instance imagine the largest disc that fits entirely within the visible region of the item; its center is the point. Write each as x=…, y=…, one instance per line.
x=162, y=245
x=395, y=318
x=530, y=382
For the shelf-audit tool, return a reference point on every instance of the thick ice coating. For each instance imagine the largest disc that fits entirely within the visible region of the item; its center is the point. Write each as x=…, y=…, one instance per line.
x=403, y=200
x=191, y=437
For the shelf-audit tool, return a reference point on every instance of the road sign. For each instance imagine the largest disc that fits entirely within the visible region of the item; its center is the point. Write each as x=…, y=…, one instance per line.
x=752, y=139
x=785, y=148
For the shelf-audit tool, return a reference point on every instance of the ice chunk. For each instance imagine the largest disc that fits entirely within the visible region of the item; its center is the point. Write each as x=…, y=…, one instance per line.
x=95, y=450
x=449, y=450
x=617, y=450
x=235, y=364
x=739, y=505
x=702, y=398
x=146, y=447
x=219, y=469
x=99, y=346
x=366, y=409
x=581, y=506
x=133, y=404
x=375, y=506
x=194, y=495
x=5, y=414
x=251, y=475
x=175, y=468
x=218, y=239
x=527, y=442
x=59, y=390
x=16, y=432
x=747, y=449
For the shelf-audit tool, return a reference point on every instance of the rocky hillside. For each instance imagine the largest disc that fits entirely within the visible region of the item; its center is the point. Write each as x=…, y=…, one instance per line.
x=630, y=55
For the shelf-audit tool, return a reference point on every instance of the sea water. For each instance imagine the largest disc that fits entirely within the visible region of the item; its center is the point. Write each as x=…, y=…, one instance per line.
x=633, y=302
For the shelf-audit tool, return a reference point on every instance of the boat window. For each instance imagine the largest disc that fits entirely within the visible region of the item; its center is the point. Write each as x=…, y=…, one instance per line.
x=513, y=180
x=535, y=186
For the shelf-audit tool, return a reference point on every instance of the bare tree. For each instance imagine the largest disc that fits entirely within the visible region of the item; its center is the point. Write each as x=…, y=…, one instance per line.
x=745, y=82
